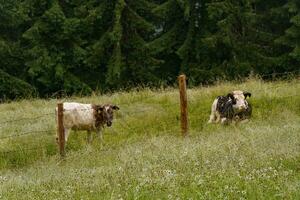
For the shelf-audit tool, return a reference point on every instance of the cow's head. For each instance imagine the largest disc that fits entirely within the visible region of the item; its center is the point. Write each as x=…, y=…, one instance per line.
x=239, y=102
x=105, y=113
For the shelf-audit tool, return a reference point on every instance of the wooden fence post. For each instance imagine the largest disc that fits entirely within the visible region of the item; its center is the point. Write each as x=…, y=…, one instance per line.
x=60, y=129
x=183, y=105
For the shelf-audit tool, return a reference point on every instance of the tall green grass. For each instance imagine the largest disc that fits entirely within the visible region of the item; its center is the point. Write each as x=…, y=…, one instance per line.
x=143, y=155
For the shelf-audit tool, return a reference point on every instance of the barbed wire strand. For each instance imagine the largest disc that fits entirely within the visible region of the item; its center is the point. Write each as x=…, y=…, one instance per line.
x=134, y=112
x=29, y=118
x=296, y=95
x=122, y=121
x=148, y=97
x=280, y=73
x=26, y=133
x=22, y=150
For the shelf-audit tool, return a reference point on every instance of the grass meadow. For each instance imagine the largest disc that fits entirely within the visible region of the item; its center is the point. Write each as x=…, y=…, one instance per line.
x=143, y=155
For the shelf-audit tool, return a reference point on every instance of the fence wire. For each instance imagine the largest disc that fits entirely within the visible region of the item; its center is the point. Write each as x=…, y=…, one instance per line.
x=26, y=119
x=295, y=72
x=26, y=133
x=22, y=150
x=126, y=115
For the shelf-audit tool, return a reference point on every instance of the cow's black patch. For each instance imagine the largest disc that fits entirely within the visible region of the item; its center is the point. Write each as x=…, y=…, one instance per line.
x=245, y=114
x=224, y=107
x=98, y=114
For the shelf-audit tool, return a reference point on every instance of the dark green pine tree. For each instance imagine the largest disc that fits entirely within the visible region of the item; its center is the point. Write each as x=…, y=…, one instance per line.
x=244, y=34
x=191, y=51
x=266, y=23
x=140, y=66
x=53, y=47
x=291, y=38
x=180, y=26
x=96, y=21
x=12, y=73
x=121, y=49
x=171, y=31
x=9, y=37
x=227, y=38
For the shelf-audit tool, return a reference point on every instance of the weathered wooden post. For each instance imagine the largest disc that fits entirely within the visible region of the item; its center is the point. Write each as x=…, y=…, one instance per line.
x=183, y=105
x=60, y=129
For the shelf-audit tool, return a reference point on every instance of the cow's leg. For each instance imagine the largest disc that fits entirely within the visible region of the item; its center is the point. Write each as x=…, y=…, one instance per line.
x=67, y=132
x=66, y=135
x=244, y=121
x=100, y=135
x=218, y=117
x=89, y=137
x=241, y=118
x=235, y=119
x=224, y=120
x=213, y=115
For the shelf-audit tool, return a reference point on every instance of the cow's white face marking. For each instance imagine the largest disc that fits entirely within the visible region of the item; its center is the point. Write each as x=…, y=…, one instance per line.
x=241, y=103
x=108, y=113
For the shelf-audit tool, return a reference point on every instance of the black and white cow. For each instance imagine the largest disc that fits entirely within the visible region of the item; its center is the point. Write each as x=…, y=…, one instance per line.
x=233, y=107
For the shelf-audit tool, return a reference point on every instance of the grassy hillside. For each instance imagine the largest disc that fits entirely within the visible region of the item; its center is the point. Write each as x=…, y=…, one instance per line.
x=143, y=155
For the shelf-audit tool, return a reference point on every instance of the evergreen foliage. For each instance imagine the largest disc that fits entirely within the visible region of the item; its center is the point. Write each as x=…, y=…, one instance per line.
x=291, y=37
x=13, y=88
x=80, y=46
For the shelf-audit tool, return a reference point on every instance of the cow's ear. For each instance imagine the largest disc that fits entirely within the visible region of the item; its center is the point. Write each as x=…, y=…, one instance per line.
x=247, y=94
x=100, y=109
x=115, y=107
x=230, y=95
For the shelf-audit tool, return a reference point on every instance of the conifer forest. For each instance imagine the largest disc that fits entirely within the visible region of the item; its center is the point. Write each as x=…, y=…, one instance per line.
x=80, y=46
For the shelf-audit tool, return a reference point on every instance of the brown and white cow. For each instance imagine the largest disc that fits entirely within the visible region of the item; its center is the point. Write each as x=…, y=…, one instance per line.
x=234, y=106
x=89, y=117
